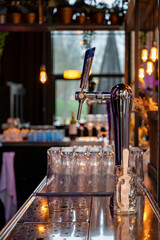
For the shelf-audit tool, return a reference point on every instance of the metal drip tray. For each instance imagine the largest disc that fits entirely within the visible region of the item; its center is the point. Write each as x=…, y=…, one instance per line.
x=54, y=231
x=59, y=209
x=83, y=216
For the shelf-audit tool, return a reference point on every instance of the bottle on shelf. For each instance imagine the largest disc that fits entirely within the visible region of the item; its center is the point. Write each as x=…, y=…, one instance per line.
x=72, y=127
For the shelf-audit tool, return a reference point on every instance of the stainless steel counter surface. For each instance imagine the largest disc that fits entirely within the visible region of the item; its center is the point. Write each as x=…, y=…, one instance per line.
x=76, y=215
x=81, y=217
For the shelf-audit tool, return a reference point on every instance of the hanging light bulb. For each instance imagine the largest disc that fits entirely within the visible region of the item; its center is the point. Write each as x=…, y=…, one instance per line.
x=154, y=52
x=141, y=72
x=43, y=74
x=149, y=69
x=144, y=54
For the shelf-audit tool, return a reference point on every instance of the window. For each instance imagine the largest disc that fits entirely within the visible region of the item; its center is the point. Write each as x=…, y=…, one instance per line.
x=68, y=53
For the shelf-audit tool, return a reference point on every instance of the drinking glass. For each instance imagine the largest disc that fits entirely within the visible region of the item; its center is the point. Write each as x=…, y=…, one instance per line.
x=81, y=127
x=80, y=169
x=94, y=168
x=108, y=164
x=136, y=160
x=89, y=123
x=98, y=123
x=67, y=163
x=53, y=168
x=125, y=192
x=106, y=127
x=105, y=122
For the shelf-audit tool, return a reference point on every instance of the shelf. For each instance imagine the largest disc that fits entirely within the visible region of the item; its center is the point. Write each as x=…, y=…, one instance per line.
x=57, y=27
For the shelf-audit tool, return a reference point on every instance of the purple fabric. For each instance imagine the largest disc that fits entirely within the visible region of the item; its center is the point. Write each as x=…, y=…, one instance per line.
x=7, y=185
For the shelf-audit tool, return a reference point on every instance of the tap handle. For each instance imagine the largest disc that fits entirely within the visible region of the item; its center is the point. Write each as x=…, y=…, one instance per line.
x=88, y=59
x=79, y=110
x=121, y=101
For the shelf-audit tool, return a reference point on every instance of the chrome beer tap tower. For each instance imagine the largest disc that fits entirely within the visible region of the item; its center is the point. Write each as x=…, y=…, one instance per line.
x=120, y=98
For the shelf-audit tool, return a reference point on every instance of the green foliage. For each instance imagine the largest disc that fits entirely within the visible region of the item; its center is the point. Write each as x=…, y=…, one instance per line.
x=63, y=3
x=3, y=36
x=143, y=38
x=88, y=37
x=14, y=8
x=30, y=5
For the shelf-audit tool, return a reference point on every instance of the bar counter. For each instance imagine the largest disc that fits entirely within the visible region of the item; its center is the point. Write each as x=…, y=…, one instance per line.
x=80, y=216
x=66, y=142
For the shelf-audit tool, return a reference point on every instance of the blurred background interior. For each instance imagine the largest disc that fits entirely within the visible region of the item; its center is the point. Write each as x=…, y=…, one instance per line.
x=42, y=47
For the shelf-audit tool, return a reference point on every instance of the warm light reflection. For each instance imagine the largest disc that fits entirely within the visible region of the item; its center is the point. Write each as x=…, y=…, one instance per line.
x=72, y=74
x=43, y=74
x=141, y=72
x=41, y=229
x=44, y=209
x=149, y=67
x=118, y=219
x=144, y=54
x=81, y=42
x=148, y=217
x=79, y=32
x=133, y=221
x=141, y=80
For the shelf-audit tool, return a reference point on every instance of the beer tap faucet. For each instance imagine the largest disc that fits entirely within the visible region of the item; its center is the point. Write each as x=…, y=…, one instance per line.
x=121, y=103
x=88, y=59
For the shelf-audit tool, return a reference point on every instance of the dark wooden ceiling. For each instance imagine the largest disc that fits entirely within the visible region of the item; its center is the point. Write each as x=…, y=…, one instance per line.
x=147, y=14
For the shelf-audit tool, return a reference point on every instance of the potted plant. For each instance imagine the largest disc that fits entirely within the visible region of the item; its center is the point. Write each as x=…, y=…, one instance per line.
x=15, y=12
x=79, y=9
x=3, y=14
x=52, y=4
x=30, y=11
x=116, y=15
x=98, y=14
x=64, y=11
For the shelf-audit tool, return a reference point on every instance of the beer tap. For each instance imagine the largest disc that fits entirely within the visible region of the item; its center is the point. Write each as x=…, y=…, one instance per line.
x=88, y=59
x=121, y=103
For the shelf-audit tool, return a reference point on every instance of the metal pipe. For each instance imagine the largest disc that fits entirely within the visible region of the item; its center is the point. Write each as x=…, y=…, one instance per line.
x=79, y=110
x=151, y=200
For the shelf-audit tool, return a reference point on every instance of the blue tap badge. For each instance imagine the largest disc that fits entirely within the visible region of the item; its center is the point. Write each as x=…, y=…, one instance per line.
x=86, y=67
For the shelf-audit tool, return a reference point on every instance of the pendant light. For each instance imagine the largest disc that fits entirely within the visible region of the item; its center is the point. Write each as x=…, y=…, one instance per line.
x=154, y=51
x=149, y=69
x=141, y=72
x=71, y=74
x=144, y=54
x=43, y=74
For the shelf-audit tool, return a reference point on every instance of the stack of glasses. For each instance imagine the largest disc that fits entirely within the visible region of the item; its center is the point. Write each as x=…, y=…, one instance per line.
x=86, y=169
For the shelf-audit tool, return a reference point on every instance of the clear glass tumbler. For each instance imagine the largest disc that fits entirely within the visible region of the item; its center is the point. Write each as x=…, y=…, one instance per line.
x=80, y=169
x=67, y=164
x=136, y=160
x=108, y=164
x=94, y=168
x=53, y=168
x=125, y=192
